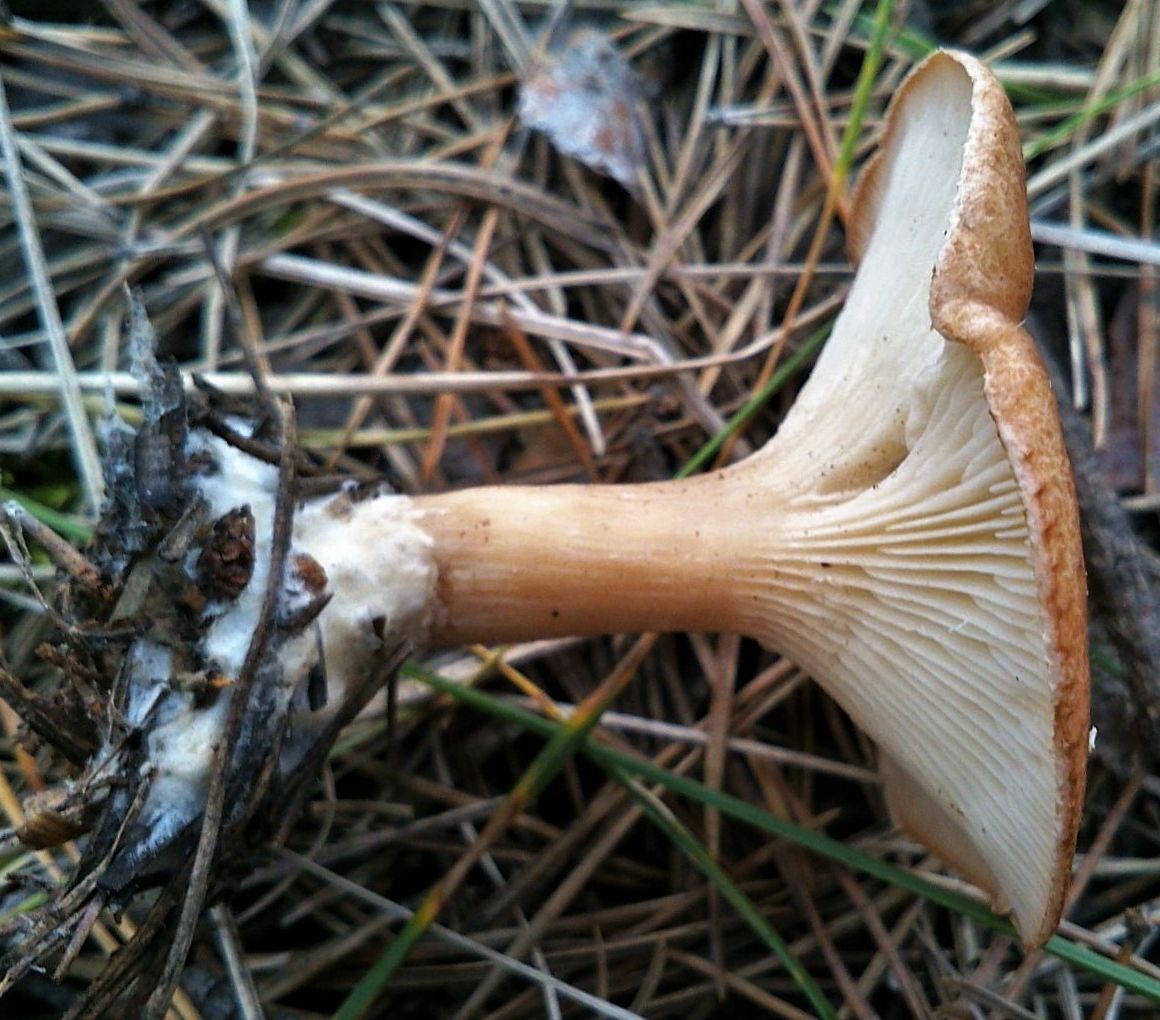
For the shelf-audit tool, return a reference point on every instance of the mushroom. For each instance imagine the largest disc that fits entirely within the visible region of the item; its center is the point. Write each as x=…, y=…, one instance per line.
x=909, y=536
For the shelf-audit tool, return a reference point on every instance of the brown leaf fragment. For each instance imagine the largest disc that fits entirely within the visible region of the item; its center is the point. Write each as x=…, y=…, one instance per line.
x=584, y=96
x=55, y=816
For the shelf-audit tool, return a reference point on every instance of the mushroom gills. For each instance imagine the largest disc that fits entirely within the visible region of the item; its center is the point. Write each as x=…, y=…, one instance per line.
x=914, y=600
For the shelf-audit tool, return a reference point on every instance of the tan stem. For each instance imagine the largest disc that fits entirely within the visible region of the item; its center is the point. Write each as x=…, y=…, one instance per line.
x=518, y=563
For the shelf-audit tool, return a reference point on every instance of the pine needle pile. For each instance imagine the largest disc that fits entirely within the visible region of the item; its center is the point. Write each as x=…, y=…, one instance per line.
x=448, y=243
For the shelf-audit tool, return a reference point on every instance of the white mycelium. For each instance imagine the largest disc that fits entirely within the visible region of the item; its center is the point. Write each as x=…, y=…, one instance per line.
x=381, y=579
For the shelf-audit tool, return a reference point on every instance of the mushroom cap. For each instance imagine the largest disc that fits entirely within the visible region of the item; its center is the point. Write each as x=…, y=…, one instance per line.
x=937, y=589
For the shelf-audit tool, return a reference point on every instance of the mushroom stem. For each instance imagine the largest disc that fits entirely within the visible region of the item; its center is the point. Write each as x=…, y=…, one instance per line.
x=520, y=563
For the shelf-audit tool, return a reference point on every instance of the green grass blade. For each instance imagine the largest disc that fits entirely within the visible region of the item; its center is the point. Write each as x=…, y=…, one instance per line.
x=1062, y=133
x=70, y=527
x=907, y=41
x=564, y=740
x=754, y=404
x=680, y=836
x=864, y=88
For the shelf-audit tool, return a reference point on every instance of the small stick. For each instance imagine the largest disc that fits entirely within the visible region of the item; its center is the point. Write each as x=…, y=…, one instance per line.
x=62, y=553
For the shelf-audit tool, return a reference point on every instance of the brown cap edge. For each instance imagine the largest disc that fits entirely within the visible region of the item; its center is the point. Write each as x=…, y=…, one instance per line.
x=979, y=294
